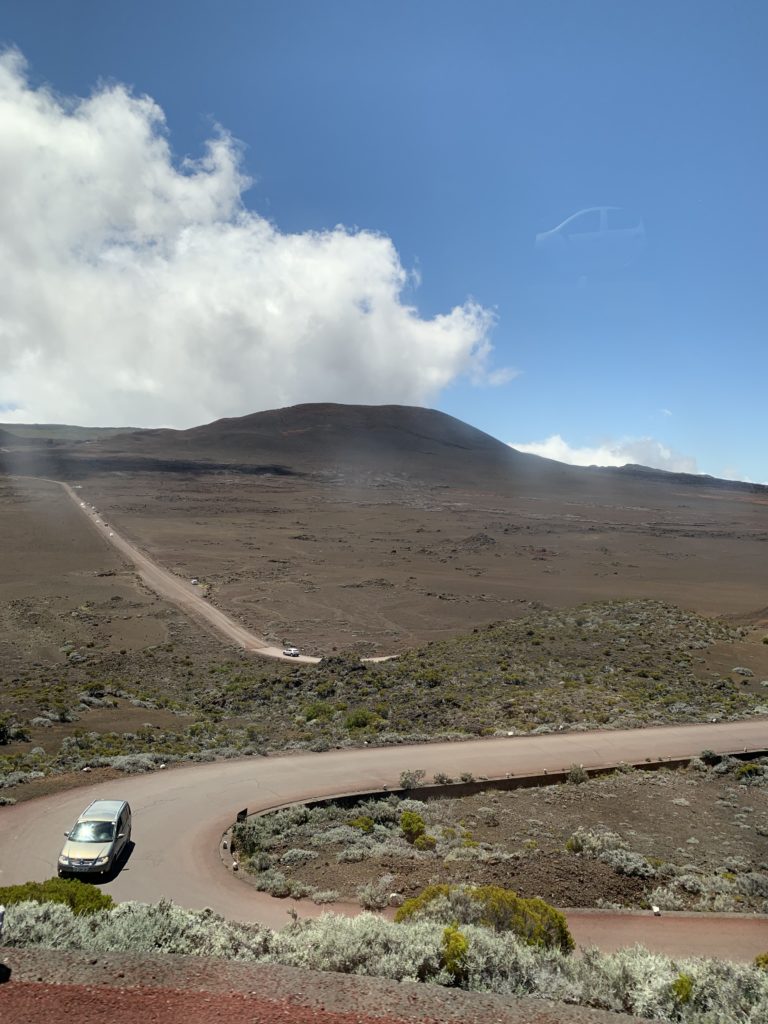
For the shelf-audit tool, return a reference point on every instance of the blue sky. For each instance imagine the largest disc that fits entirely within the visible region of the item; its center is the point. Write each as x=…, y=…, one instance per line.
x=462, y=130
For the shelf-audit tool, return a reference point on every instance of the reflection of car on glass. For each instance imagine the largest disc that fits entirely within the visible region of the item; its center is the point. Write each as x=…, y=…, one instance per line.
x=97, y=838
x=291, y=652
x=599, y=238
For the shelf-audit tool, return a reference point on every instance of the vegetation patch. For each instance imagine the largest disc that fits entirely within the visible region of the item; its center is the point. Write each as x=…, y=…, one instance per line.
x=502, y=910
x=614, y=664
x=78, y=896
x=470, y=956
x=692, y=839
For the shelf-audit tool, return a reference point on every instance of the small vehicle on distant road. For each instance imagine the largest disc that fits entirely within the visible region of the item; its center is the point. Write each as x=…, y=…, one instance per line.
x=194, y=581
x=291, y=652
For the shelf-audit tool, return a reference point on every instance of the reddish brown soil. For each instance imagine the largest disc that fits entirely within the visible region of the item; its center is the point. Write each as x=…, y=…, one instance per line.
x=29, y=1003
x=48, y=986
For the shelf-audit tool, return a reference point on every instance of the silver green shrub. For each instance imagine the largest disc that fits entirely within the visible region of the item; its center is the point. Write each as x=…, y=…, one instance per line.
x=134, y=927
x=339, y=834
x=297, y=856
x=325, y=896
x=375, y=895
x=611, y=849
x=632, y=981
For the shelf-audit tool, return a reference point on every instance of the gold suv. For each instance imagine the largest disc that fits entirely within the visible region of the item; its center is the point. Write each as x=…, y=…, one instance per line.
x=97, y=839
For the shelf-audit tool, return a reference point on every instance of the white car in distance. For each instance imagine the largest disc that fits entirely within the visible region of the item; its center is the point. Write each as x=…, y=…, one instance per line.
x=601, y=238
x=291, y=652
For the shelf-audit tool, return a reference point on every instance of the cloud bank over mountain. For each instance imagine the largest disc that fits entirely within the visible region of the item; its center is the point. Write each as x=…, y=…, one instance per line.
x=140, y=290
x=641, y=451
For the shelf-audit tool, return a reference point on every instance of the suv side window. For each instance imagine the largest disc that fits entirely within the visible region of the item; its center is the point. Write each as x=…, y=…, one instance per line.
x=587, y=222
x=620, y=219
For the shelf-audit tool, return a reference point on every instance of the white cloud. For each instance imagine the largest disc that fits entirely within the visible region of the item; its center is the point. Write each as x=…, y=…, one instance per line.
x=641, y=451
x=137, y=291
x=734, y=473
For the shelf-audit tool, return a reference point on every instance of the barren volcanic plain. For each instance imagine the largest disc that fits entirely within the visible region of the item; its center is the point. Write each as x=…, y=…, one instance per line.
x=364, y=531
x=521, y=595
x=375, y=529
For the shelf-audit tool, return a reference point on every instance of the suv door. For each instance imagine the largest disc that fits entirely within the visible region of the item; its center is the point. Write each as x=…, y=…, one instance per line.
x=122, y=830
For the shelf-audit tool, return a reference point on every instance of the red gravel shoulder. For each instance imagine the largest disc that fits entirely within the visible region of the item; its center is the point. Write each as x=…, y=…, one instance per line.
x=48, y=986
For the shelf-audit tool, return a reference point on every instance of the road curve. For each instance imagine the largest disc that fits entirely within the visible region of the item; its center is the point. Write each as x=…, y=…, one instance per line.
x=180, y=592
x=181, y=813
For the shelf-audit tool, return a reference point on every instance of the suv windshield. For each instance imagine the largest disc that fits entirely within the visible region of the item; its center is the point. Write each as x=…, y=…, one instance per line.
x=93, y=832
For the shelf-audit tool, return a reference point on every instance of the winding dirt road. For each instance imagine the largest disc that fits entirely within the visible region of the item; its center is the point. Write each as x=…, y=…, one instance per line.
x=180, y=815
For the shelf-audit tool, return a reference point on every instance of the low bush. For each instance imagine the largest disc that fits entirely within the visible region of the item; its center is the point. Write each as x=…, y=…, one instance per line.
x=360, y=719
x=364, y=823
x=11, y=730
x=682, y=987
x=488, y=816
x=411, y=778
x=608, y=847
x=297, y=856
x=273, y=882
x=375, y=895
x=532, y=920
x=412, y=825
x=455, y=947
x=78, y=896
x=325, y=896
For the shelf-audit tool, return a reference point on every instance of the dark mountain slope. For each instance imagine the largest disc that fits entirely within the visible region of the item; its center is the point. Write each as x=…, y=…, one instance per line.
x=368, y=443
x=340, y=440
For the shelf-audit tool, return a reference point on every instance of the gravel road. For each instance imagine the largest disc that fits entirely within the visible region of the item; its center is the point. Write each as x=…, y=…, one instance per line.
x=181, y=592
x=180, y=815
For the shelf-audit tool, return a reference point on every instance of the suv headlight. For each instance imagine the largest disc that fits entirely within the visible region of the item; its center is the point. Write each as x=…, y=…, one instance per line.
x=102, y=860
